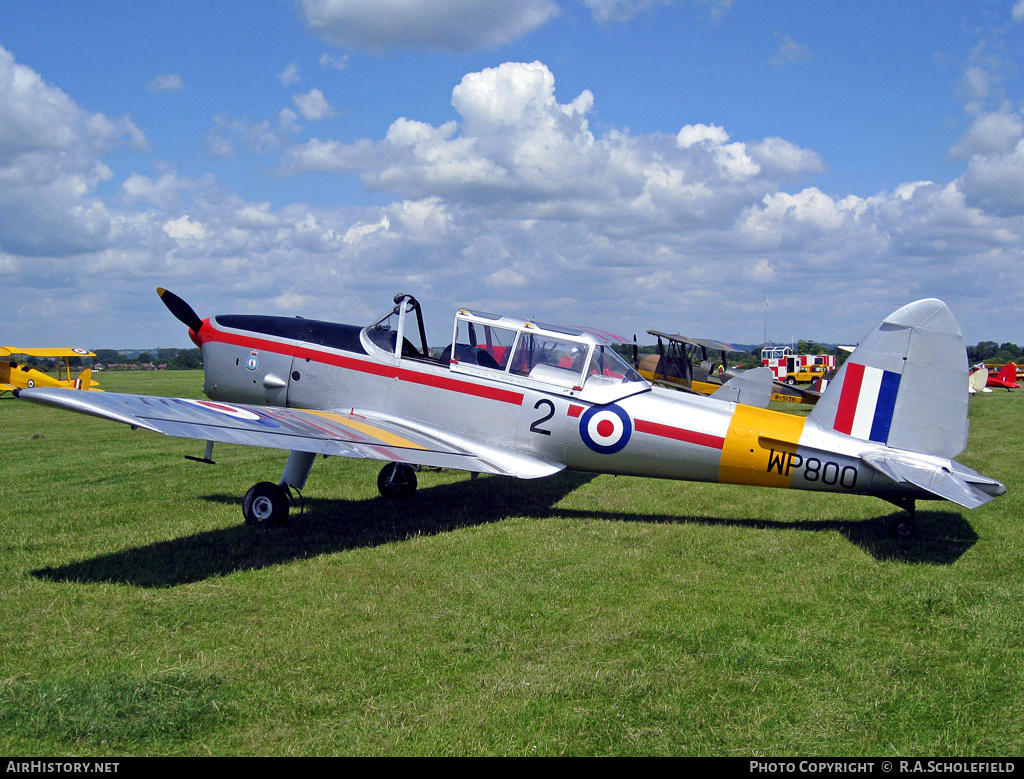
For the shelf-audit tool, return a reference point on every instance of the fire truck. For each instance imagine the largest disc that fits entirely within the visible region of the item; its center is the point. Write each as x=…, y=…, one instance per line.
x=790, y=367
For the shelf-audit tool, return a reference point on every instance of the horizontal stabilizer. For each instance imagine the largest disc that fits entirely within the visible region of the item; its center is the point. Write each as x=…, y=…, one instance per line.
x=965, y=489
x=751, y=388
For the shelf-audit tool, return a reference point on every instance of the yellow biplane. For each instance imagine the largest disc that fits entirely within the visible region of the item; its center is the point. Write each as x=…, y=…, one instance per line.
x=699, y=365
x=14, y=376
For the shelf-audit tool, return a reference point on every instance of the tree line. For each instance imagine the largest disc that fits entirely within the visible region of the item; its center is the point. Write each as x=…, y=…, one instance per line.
x=990, y=351
x=192, y=359
x=171, y=359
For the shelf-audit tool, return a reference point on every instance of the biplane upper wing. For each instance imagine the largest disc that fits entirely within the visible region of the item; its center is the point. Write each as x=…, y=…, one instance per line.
x=707, y=343
x=46, y=351
x=350, y=433
x=720, y=346
x=681, y=339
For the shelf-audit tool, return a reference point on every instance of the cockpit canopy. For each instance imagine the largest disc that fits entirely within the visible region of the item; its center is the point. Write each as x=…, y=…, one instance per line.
x=567, y=360
x=571, y=361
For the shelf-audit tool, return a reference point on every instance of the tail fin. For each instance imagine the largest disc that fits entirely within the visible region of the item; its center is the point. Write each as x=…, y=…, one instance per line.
x=751, y=388
x=84, y=380
x=1007, y=377
x=905, y=386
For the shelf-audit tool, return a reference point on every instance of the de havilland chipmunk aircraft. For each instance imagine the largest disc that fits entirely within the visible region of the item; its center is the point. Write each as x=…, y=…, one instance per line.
x=526, y=399
x=14, y=376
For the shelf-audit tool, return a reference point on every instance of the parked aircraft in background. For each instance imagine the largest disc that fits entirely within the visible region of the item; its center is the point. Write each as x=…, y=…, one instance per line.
x=14, y=376
x=526, y=399
x=978, y=380
x=700, y=365
x=1007, y=377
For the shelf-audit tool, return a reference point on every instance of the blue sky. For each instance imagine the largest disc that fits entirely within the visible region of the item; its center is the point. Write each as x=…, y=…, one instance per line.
x=628, y=164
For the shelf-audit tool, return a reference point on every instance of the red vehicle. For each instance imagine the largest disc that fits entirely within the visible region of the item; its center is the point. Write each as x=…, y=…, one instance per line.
x=784, y=363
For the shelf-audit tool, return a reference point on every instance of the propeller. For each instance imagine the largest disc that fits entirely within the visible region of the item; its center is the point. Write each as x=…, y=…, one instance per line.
x=182, y=311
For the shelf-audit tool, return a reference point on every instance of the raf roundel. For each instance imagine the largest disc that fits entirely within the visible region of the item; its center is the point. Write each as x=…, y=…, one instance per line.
x=229, y=410
x=605, y=429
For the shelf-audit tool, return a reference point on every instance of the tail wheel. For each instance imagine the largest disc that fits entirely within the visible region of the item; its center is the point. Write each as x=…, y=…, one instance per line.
x=905, y=527
x=265, y=504
x=396, y=480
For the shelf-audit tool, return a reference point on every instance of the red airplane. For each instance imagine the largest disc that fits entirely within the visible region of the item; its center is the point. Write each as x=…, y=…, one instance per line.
x=1007, y=377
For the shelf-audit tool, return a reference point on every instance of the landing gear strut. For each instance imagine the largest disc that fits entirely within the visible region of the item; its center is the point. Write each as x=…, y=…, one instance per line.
x=397, y=480
x=267, y=504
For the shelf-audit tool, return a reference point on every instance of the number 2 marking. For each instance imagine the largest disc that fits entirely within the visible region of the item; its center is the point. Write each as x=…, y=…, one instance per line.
x=535, y=427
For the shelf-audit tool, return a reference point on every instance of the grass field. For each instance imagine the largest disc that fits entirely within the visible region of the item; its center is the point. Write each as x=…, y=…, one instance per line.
x=575, y=615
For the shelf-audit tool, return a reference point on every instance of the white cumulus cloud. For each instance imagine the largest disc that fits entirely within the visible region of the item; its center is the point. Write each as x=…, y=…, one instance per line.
x=184, y=228
x=51, y=163
x=313, y=105
x=522, y=203
x=790, y=53
x=518, y=148
x=453, y=25
x=170, y=82
x=990, y=133
x=290, y=75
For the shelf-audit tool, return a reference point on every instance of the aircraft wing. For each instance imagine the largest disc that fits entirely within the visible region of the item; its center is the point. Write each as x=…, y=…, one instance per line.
x=46, y=351
x=341, y=434
x=707, y=343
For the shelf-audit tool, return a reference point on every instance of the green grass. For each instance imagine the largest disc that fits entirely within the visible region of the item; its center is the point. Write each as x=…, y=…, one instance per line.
x=574, y=615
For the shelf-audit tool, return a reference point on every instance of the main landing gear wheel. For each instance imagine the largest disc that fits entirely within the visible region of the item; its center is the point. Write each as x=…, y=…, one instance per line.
x=265, y=504
x=396, y=480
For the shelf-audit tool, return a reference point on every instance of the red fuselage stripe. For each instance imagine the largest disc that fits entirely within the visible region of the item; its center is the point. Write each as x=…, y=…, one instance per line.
x=363, y=366
x=678, y=434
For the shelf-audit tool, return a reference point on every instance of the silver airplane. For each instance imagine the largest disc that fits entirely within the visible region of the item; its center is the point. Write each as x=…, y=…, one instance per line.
x=526, y=399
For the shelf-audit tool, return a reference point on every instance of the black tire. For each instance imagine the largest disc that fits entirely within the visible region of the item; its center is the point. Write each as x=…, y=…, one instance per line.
x=790, y=381
x=265, y=504
x=396, y=480
x=904, y=527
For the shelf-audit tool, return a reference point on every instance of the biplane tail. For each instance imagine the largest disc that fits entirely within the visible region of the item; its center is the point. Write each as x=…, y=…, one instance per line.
x=978, y=381
x=751, y=388
x=84, y=380
x=905, y=386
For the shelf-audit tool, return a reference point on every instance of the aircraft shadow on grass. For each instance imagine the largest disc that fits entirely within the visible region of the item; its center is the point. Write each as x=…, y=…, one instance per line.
x=330, y=526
